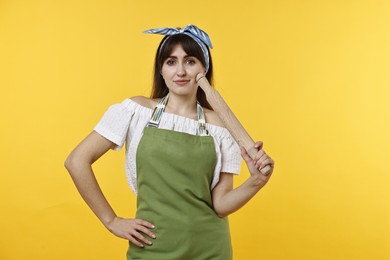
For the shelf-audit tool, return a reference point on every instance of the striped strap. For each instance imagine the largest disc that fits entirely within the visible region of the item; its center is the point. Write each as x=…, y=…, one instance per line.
x=159, y=109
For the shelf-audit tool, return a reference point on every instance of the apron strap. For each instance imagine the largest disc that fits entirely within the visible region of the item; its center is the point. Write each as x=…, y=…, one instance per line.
x=159, y=109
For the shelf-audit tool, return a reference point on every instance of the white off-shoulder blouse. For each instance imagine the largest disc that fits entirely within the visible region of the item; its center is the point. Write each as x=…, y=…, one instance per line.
x=123, y=123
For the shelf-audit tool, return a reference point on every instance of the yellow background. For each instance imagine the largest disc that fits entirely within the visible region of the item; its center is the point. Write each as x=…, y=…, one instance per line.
x=309, y=78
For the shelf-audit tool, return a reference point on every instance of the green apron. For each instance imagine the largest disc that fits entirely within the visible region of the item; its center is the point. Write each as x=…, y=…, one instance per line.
x=174, y=173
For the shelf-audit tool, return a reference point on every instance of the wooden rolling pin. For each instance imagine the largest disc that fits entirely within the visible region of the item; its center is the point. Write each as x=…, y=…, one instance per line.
x=229, y=119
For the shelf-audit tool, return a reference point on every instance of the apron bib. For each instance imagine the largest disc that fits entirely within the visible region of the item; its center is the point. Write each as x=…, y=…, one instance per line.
x=174, y=174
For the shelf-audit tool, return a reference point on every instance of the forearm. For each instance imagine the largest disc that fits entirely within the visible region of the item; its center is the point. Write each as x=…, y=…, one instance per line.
x=234, y=199
x=88, y=187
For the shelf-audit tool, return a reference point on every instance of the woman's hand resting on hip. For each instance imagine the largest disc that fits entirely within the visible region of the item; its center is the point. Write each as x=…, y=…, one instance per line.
x=133, y=230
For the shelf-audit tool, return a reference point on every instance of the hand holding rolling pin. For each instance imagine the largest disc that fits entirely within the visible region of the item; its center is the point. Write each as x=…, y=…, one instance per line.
x=256, y=159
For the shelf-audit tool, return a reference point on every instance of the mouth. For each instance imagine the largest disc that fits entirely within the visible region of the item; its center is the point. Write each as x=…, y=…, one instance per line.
x=181, y=82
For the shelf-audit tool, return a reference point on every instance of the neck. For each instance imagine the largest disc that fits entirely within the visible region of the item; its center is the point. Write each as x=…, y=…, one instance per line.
x=182, y=105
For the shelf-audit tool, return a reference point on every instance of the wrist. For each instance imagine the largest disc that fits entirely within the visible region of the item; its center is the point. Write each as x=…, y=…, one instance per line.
x=256, y=181
x=107, y=221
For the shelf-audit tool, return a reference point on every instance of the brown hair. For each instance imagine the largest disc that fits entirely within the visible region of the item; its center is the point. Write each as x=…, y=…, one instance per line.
x=192, y=48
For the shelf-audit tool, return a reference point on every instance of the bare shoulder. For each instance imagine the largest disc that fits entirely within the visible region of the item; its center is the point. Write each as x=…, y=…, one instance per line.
x=213, y=118
x=144, y=101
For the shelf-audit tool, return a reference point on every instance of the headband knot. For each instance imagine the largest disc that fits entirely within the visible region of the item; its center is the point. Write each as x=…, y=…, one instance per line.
x=200, y=36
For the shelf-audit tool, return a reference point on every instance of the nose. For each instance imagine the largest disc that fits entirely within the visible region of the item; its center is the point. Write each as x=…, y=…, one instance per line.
x=181, y=70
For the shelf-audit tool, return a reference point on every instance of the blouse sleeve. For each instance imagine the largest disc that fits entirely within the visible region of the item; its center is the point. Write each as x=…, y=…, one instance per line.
x=115, y=123
x=231, y=155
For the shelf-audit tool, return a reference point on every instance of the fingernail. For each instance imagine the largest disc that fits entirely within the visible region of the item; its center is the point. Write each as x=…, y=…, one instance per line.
x=150, y=242
x=153, y=226
x=153, y=236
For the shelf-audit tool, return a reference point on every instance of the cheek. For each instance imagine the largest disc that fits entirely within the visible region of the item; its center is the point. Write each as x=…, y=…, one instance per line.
x=201, y=67
x=167, y=76
x=195, y=69
x=166, y=72
x=163, y=69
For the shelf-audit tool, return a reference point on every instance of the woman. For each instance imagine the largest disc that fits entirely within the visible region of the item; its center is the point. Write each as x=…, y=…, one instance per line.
x=180, y=166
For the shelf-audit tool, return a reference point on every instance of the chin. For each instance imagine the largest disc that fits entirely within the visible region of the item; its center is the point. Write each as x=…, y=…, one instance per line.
x=182, y=91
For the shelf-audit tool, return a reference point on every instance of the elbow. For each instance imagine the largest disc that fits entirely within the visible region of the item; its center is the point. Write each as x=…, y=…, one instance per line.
x=221, y=212
x=222, y=215
x=220, y=206
x=71, y=163
x=76, y=163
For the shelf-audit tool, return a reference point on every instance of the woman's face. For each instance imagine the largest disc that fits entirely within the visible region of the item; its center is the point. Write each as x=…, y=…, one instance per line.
x=179, y=72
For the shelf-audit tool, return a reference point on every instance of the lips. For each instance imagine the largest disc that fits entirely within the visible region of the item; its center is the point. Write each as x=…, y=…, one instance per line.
x=181, y=82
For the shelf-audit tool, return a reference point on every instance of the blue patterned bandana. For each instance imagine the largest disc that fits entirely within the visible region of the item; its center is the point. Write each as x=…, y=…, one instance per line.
x=200, y=36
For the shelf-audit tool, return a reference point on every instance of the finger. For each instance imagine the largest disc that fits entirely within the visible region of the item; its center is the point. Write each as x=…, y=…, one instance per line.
x=266, y=162
x=262, y=159
x=245, y=155
x=146, y=231
x=135, y=241
x=141, y=238
x=259, y=154
x=259, y=145
x=199, y=76
x=144, y=223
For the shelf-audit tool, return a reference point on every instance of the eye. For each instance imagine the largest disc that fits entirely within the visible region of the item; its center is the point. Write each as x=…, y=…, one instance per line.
x=170, y=62
x=191, y=61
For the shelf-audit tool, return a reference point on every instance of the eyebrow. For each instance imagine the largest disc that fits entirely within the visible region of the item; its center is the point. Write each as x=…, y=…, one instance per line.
x=175, y=57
